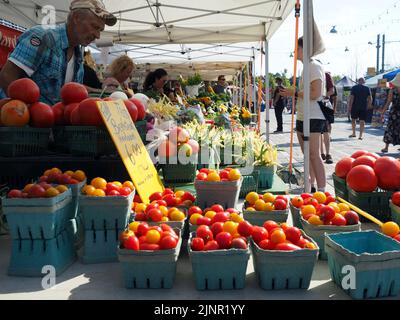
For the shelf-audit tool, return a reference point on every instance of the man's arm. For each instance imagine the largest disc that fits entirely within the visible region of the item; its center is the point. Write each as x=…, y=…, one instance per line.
x=351, y=100
x=10, y=73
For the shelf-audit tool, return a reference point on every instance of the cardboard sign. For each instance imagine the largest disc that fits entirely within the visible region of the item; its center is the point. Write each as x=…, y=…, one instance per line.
x=131, y=148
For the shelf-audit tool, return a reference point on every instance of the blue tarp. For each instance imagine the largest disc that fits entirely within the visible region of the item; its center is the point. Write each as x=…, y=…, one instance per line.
x=390, y=76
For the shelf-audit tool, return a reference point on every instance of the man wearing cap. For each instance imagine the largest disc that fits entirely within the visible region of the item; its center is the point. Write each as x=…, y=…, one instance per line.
x=52, y=56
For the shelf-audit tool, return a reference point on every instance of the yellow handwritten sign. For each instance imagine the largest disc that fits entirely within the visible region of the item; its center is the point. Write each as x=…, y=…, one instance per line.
x=131, y=148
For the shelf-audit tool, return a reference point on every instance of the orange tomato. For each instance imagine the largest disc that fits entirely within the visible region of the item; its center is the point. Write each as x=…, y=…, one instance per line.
x=140, y=207
x=391, y=229
x=230, y=227
x=88, y=190
x=177, y=216
x=79, y=175
x=278, y=236
x=308, y=210
x=98, y=193
x=259, y=205
x=69, y=172
x=128, y=184
x=52, y=192
x=99, y=183
x=179, y=194
x=268, y=197
x=234, y=175
x=153, y=236
x=213, y=177
x=315, y=220
x=297, y=202
x=252, y=197
x=61, y=188
x=27, y=187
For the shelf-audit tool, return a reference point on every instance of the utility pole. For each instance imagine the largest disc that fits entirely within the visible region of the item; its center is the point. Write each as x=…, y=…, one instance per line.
x=378, y=46
x=383, y=52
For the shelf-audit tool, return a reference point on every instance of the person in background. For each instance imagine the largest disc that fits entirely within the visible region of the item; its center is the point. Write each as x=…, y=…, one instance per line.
x=317, y=118
x=90, y=78
x=154, y=83
x=279, y=103
x=326, y=136
x=220, y=87
x=360, y=101
x=52, y=57
x=392, y=133
x=120, y=71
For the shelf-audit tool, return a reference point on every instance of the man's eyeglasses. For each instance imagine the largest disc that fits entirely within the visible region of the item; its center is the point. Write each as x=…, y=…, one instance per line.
x=222, y=79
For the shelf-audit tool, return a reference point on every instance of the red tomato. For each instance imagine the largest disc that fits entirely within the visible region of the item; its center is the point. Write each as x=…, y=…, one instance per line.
x=224, y=174
x=131, y=107
x=239, y=243
x=245, y=228
x=167, y=191
x=41, y=115
x=339, y=220
x=306, y=195
x=89, y=113
x=188, y=196
x=204, y=170
x=155, y=196
x=203, y=221
x=327, y=213
x=266, y=244
x=166, y=227
x=373, y=155
x=141, y=110
x=396, y=198
x=194, y=209
x=161, y=203
x=301, y=243
x=111, y=186
x=280, y=204
x=217, y=227
x=281, y=197
x=330, y=199
x=132, y=243
x=293, y=234
x=140, y=216
x=75, y=117
x=224, y=240
x=359, y=153
x=142, y=239
x=149, y=246
x=73, y=92
x=68, y=111
x=152, y=206
x=155, y=215
x=286, y=247
x=113, y=193
x=125, y=191
x=168, y=242
x=270, y=225
x=343, y=167
x=259, y=234
x=211, y=245
x=397, y=238
x=142, y=229
x=387, y=170
x=197, y=244
x=58, y=111
x=202, y=176
x=311, y=201
x=205, y=233
x=25, y=90
x=362, y=179
x=221, y=217
x=170, y=199
x=157, y=228
x=217, y=208
x=366, y=160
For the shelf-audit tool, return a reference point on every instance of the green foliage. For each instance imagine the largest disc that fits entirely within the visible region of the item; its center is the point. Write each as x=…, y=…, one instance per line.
x=194, y=80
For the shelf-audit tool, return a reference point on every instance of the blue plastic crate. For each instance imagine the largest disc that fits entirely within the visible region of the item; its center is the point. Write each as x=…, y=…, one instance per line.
x=101, y=246
x=225, y=193
x=296, y=216
x=99, y=213
x=38, y=218
x=28, y=257
x=317, y=233
x=279, y=270
x=257, y=218
x=149, y=269
x=220, y=269
x=395, y=211
x=375, y=257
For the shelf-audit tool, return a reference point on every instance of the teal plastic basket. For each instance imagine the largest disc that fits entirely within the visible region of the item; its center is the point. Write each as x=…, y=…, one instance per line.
x=257, y=218
x=280, y=270
x=23, y=141
x=375, y=259
x=38, y=218
x=141, y=127
x=266, y=176
x=317, y=233
x=220, y=269
x=179, y=173
x=249, y=184
x=100, y=213
x=89, y=141
x=340, y=187
x=224, y=193
x=296, y=216
x=149, y=269
x=101, y=246
x=75, y=191
x=375, y=203
x=28, y=257
x=395, y=210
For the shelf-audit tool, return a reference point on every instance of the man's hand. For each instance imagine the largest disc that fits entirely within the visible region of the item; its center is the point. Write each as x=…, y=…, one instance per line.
x=287, y=92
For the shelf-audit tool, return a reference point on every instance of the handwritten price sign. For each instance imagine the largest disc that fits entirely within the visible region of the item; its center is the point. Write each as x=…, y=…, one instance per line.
x=131, y=148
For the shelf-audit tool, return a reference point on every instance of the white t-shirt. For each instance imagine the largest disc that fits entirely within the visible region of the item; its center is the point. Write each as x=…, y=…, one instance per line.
x=69, y=74
x=316, y=73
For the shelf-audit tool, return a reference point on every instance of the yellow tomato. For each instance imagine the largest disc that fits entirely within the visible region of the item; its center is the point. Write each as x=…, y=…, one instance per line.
x=269, y=197
x=335, y=206
x=164, y=211
x=259, y=205
x=52, y=192
x=320, y=197
x=315, y=220
x=250, y=209
x=235, y=217
x=391, y=229
x=153, y=236
x=230, y=227
x=194, y=217
x=61, y=188
x=164, y=219
x=179, y=194
x=252, y=197
x=79, y=175
x=234, y=175
x=133, y=226
x=308, y=209
x=99, y=183
x=213, y=176
x=343, y=207
x=210, y=214
x=117, y=183
x=128, y=184
x=269, y=207
x=177, y=216
x=88, y=190
x=98, y=193
x=69, y=172
x=140, y=207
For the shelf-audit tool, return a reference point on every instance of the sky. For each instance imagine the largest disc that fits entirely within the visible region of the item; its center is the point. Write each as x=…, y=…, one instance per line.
x=357, y=23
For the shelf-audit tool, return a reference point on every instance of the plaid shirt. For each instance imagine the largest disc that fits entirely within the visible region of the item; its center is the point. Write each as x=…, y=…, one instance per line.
x=43, y=53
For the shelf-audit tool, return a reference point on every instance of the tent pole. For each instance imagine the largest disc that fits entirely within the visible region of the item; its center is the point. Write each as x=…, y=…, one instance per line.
x=306, y=81
x=241, y=89
x=254, y=82
x=267, y=95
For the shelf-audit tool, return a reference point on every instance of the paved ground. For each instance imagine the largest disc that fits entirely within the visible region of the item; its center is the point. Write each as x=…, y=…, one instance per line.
x=103, y=281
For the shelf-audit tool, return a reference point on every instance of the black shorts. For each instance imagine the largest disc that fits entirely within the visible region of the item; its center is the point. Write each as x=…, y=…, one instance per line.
x=316, y=126
x=359, y=114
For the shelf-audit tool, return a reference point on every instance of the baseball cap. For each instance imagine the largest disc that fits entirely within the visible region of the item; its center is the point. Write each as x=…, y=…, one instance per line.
x=97, y=7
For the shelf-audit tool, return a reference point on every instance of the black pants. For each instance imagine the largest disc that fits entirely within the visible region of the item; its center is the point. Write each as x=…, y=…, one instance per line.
x=278, y=115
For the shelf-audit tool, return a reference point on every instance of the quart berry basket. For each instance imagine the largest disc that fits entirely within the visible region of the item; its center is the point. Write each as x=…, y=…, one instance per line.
x=340, y=187
x=280, y=270
x=374, y=257
x=225, y=193
x=149, y=269
x=296, y=216
x=317, y=233
x=395, y=210
x=258, y=218
x=219, y=269
x=100, y=213
x=28, y=257
x=38, y=218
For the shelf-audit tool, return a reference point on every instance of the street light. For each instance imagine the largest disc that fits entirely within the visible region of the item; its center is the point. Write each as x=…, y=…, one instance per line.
x=346, y=50
x=291, y=55
x=333, y=30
